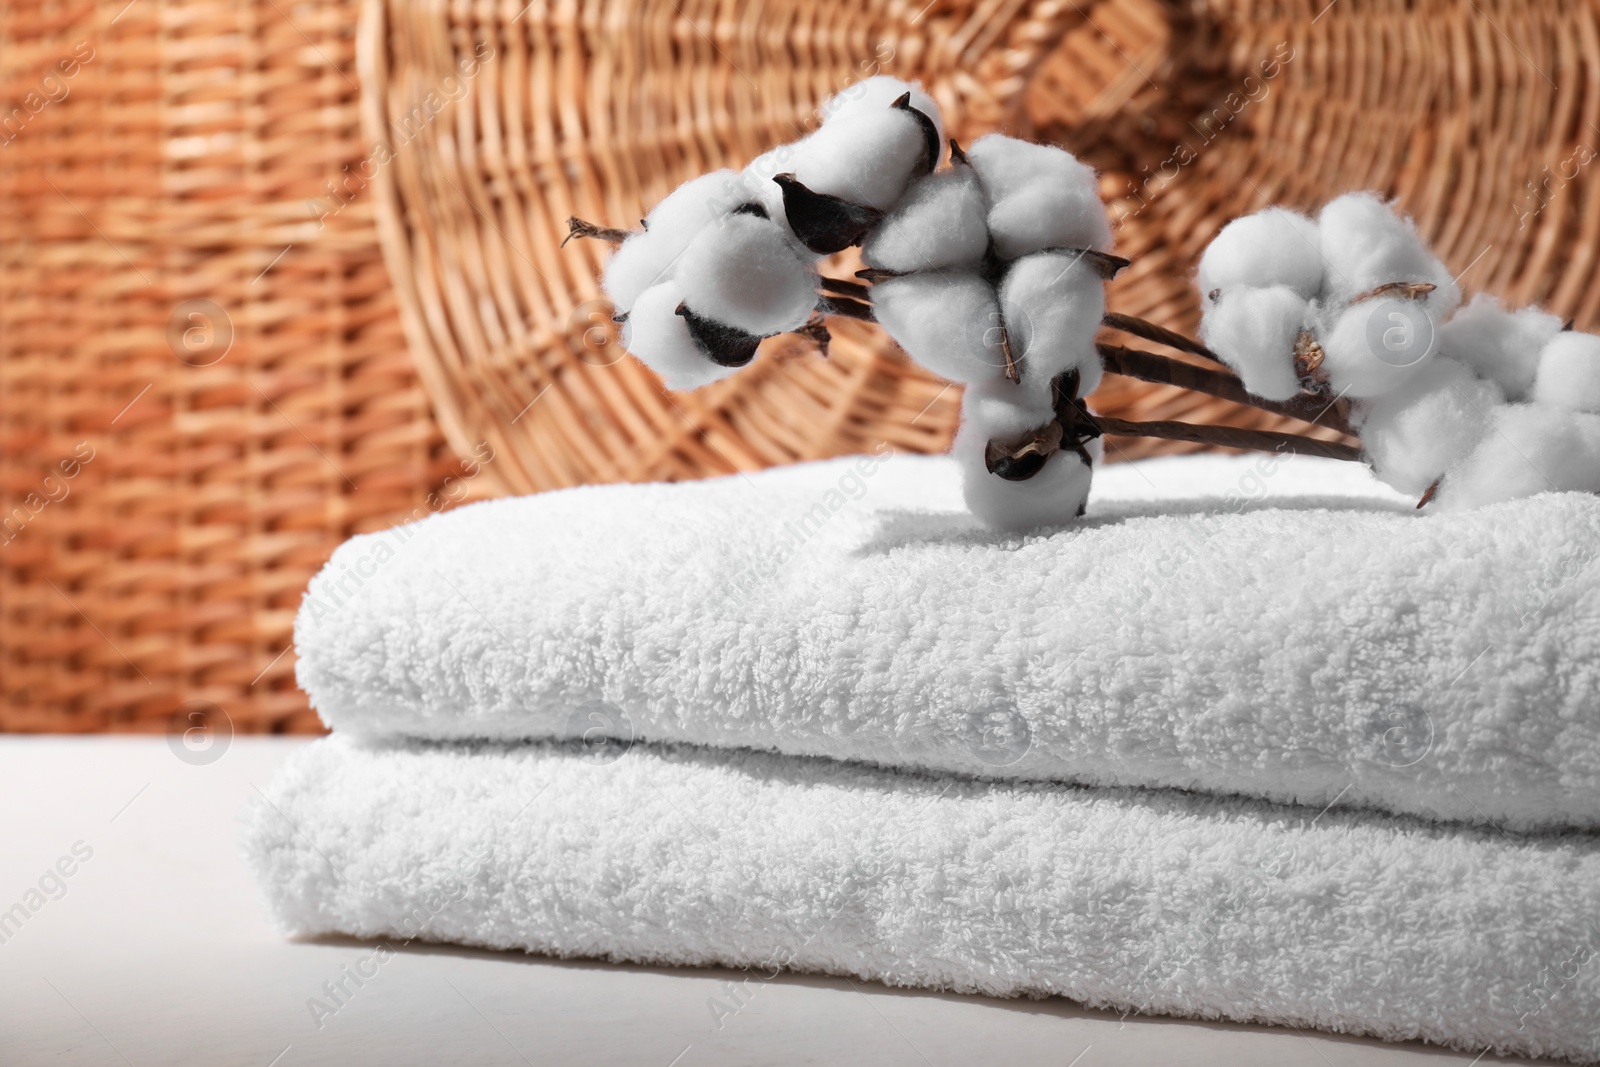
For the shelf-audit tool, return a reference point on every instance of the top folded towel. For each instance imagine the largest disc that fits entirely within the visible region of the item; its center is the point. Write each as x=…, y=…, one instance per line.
x=1276, y=627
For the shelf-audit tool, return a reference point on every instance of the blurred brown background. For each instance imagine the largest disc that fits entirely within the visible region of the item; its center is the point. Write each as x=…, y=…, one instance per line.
x=269, y=270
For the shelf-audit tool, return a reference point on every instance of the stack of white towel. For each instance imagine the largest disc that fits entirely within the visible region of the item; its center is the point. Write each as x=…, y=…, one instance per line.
x=1253, y=740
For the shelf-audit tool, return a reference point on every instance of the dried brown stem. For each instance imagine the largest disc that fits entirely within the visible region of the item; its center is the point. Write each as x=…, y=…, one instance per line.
x=845, y=287
x=1104, y=264
x=1020, y=458
x=1149, y=367
x=1404, y=290
x=1149, y=331
x=850, y=309
x=577, y=227
x=1012, y=373
x=1230, y=437
x=1308, y=357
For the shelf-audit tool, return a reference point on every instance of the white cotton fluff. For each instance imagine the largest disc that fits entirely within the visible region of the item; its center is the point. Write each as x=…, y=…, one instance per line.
x=1254, y=331
x=1529, y=449
x=1569, y=372
x=872, y=97
x=699, y=202
x=1269, y=248
x=948, y=321
x=876, y=93
x=659, y=337
x=1365, y=244
x=1052, y=303
x=866, y=158
x=1499, y=344
x=652, y=255
x=636, y=265
x=743, y=272
x=1413, y=435
x=757, y=177
x=1039, y=197
x=1053, y=497
x=941, y=221
x=1002, y=408
x=1376, y=346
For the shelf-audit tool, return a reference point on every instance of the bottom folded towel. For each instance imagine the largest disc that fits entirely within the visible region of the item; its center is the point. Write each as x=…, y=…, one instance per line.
x=1160, y=902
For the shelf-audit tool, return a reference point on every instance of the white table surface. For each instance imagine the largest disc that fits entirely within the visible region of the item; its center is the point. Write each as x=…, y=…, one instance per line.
x=160, y=953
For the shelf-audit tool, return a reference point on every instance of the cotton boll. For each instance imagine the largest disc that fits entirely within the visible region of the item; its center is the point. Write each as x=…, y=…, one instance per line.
x=1040, y=197
x=637, y=264
x=1270, y=248
x=757, y=177
x=947, y=321
x=1376, y=346
x=743, y=272
x=1365, y=244
x=1499, y=344
x=760, y=178
x=1569, y=372
x=660, y=338
x=652, y=255
x=833, y=173
x=1530, y=448
x=1254, y=331
x=1412, y=436
x=1052, y=303
x=1013, y=414
x=879, y=92
x=691, y=207
x=941, y=221
x=999, y=407
x=1054, y=496
x=865, y=158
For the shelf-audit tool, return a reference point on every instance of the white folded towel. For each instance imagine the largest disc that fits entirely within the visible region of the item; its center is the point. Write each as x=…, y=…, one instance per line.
x=1165, y=903
x=1286, y=629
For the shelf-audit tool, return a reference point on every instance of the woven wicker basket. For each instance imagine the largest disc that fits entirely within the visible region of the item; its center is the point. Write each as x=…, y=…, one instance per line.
x=598, y=111
x=234, y=442
x=179, y=165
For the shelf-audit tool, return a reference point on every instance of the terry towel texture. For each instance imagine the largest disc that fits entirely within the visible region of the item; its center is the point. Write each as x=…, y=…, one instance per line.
x=1285, y=629
x=1158, y=902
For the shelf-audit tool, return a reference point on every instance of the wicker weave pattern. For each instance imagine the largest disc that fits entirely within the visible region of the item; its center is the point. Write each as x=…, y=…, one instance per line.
x=180, y=163
x=1444, y=104
x=177, y=168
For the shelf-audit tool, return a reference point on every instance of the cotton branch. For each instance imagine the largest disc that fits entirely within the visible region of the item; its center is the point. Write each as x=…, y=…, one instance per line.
x=1149, y=367
x=1149, y=331
x=1230, y=437
x=577, y=227
x=850, y=299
